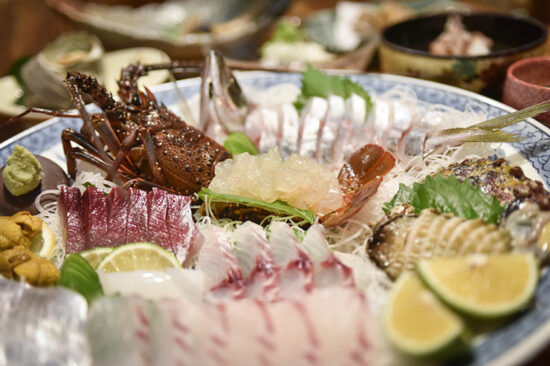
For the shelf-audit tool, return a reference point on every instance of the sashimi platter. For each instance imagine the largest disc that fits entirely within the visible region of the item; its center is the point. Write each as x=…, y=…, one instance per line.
x=257, y=218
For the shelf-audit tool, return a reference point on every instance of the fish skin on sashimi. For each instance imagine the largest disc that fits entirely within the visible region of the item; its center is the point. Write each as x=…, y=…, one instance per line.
x=118, y=203
x=96, y=213
x=136, y=226
x=128, y=216
x=70, y=210
x=157, y=225
x=326, y=327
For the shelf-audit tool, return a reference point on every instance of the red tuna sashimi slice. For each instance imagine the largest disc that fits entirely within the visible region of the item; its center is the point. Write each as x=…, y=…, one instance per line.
x=136, y=225
x=96, y=212
x=183, y=234
x=118, y=202
x=70, y=210
x=157, y=226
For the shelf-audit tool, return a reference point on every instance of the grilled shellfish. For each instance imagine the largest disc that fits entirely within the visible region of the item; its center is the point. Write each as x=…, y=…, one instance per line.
x=403, y=237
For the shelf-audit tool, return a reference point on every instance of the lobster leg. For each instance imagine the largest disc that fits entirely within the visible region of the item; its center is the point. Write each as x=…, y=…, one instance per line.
x=91, y=154
x=74, y=86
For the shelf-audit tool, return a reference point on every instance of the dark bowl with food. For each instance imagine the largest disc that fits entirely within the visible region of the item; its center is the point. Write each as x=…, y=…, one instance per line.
x=405, y=49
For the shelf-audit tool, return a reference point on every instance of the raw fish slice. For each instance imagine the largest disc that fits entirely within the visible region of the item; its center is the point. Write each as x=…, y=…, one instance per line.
x=296, y=269
x=136, y=226
x=328, y=326
x=329, y=270
x=288, y=130
x=118, y=203
x=119, y=331
x=257, y=266
x=183, y=234
x=177, y=333
x=328, y=134
x=356, y=109
x=262, y=126
x=221, y=268
x=69, y=206
x=96, y=213
x=310, y=124
x=157, y=225
x=42, y=326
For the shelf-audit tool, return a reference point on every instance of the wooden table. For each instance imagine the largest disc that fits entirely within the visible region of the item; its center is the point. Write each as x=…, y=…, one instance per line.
x=26, y=26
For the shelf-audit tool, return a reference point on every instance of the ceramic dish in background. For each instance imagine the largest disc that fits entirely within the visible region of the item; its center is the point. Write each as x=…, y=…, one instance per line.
x=517, y=341
x=183, y=29
x=528, y=83
x=111, y=63
x=404, y=50
x=330, y=41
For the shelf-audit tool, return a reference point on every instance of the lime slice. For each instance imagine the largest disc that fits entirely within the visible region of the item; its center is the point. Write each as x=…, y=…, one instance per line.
x=483, y=286
x=138, y=256
x=94, y=256
x=418, y=324
x=43, y=243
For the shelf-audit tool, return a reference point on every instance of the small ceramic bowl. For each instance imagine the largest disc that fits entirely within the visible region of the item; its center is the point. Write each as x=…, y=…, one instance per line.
x=528, y=83
x=404, y=50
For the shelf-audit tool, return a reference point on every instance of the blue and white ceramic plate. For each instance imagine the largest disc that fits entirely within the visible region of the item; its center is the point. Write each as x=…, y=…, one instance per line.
x=512, y=344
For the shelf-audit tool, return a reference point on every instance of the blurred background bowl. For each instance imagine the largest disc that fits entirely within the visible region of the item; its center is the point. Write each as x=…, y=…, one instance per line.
x=405, y=50
x=528, y=83
x=182, y=29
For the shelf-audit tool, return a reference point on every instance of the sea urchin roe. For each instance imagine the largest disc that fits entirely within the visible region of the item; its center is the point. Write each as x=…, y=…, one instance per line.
x=296, y=180
x=22, y=173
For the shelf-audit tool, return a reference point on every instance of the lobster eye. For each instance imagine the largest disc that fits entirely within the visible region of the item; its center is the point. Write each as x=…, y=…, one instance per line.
x=136, y=101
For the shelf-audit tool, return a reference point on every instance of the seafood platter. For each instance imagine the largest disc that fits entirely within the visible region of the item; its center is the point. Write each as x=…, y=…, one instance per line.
x=261, y=218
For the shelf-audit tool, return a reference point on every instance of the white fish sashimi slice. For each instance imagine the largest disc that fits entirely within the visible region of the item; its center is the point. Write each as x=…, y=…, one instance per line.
x=262, y=126
x=328, y=134
x=119, y=331
x=223, y=275
x=289, y=124
x=42, y=326
x=311, y=120
x=329, y=326
x=254, y=256
x=329, y=270
x=296, y=269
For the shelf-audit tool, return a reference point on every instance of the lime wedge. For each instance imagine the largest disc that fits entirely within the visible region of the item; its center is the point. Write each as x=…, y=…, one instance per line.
x=138, y=256
x=79, y=276
x=418, y=324
x=43, y=243
x=94, y=256
x=483, y=286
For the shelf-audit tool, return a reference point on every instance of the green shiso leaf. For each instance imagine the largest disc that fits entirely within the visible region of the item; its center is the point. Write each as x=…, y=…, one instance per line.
x=448, y=194
x=316, y=83
x=78, y=275
x=277, y=207
x=237, y=143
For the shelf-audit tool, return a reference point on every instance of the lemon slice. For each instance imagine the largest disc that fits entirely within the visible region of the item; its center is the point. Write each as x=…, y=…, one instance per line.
x=483, y=286
x=418, y=324
x=94, y=256
x=43, y=243
x=138, y=256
